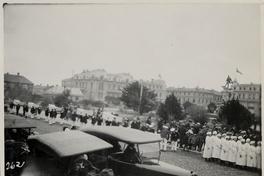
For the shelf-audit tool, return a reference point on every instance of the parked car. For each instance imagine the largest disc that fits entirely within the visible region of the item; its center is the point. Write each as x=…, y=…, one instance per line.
x=17, y=131
x=69, y=153
x=146, y=158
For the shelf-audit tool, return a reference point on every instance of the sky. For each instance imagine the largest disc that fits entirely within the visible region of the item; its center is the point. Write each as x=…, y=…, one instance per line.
x=189, y=45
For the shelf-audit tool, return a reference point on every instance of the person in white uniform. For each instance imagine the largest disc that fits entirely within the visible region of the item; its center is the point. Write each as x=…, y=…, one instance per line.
x=258, y=156
x=208, y=147
x=232, y=154
x=241, y=159
x=214, y=138
x=217, y=148
x=225, y=150
x=238, y=145
x=247, y=144
x=251, y=162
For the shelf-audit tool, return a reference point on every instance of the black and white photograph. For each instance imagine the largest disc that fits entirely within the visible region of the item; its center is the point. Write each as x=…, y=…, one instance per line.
x=132, y=88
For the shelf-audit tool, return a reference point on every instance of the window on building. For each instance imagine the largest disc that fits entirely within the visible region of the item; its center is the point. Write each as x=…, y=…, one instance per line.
x=240, y=88
x=244, y=88
x=160, y=94
x=250, y=88
x=193, y=100
x=254, y=88
x=234, y=88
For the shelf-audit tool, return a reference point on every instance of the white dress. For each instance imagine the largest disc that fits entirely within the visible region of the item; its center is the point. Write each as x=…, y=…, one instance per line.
x=208, y=147
x=258, y=157
x=241, y=159
x=217, y=148
x=248, y=155
x=238, y=149
x=225, y=150
x=251, y=157
x=232, y=154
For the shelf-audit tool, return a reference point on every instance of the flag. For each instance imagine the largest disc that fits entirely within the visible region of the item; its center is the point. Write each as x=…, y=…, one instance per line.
x=238, y=71
x=160, y=76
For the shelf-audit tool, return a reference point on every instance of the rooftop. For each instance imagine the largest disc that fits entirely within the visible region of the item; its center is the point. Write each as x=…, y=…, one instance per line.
x=16, y=79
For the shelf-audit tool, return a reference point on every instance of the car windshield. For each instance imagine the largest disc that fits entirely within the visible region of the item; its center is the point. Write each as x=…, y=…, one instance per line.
x=149, y=152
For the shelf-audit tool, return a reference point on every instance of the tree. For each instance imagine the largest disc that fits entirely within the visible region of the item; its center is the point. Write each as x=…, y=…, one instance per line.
x=63, y=99
x=162, y=112
x=171, y=109
x=131, y=98
x=234, y=113
x=198, y=114
x=186, y=104
x=15, y=91
x=211, y=107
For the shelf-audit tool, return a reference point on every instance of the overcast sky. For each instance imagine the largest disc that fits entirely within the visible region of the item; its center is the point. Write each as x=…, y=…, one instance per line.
x=188, y=45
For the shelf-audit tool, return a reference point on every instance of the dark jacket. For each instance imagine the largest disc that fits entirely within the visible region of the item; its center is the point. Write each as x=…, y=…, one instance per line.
x=175, y=136
x=134, y=125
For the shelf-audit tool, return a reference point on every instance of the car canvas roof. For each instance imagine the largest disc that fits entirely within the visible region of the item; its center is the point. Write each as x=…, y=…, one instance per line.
x=13, y=121
x=127, y=135
x=69, y=143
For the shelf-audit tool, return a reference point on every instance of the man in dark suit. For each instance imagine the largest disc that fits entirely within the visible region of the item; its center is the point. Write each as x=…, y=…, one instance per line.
x=17, y=108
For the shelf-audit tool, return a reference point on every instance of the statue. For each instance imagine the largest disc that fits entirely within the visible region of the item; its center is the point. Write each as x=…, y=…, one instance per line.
x=228, y=84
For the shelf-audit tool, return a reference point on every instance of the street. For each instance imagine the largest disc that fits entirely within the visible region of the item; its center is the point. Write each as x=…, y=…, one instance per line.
x=185, y=159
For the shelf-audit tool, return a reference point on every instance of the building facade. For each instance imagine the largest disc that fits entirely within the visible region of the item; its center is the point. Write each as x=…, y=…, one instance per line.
x=197, y=96
x=97, y=84
x=249, y=95
x=10, y=81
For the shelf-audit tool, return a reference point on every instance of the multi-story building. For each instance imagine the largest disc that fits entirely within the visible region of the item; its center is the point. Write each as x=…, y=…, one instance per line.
x=11, y=81
x=249, y=95
x=198, y=96
x=97, y=84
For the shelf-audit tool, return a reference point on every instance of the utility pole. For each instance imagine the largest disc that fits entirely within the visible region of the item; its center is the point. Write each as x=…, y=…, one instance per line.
x=140, y=95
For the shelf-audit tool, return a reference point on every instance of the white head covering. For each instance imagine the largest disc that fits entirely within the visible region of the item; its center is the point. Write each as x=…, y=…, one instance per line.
x=247, y=140
x=214, y=132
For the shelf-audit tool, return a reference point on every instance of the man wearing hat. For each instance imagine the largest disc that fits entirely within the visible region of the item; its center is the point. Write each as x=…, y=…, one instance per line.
x=225, y=149
x=175, y=136
x=208, y=147
x=232, y=154
x=164, y=134
x=241, y=153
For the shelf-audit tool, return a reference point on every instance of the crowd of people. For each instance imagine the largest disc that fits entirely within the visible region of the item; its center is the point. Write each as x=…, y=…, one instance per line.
x=237, y=151
x=241, y=149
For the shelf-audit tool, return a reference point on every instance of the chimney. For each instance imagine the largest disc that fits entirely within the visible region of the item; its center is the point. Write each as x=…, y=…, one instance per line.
x=7, y=73
x=18, y=74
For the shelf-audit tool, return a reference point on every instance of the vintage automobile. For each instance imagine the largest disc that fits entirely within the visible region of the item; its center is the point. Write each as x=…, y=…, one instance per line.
x=146, y=161
x=69, y=153
x=17, y=130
